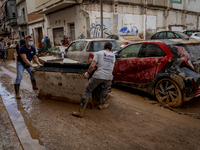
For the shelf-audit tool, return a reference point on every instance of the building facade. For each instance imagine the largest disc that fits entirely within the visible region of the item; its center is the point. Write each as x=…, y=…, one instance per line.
x=139, y=17
x=9, y=17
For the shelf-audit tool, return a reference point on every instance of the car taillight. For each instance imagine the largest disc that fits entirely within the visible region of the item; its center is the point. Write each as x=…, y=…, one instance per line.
x=189, y=64
x=90, y=58
x=126, y=43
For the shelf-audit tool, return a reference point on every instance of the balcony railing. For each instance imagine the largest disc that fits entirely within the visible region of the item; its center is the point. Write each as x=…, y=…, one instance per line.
x=22, y=19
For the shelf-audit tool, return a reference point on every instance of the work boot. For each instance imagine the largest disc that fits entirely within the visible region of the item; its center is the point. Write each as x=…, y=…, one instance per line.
x=34, y=85
x=17, y=96
x=78, y=113
x=103, y=106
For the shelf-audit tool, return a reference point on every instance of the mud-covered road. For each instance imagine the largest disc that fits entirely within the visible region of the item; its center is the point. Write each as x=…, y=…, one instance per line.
x=133, y=120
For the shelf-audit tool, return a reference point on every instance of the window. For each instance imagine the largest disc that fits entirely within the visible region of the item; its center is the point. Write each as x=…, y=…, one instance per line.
x=115, y=37
x=70, y=48
x=78, y=46
x=177, y=36
x=151, y=50
x=162, y=35
x=156, y=35
x=84, y=44
x=89, y=47
x=130, y=51
x=170, y=35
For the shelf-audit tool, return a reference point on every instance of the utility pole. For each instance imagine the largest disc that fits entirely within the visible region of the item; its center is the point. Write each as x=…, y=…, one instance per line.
x=101, y=18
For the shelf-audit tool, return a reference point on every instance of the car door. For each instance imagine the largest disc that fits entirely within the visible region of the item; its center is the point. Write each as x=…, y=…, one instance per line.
x=151, y=59
x=125, y=66
x=69, y=49
x=84, y=53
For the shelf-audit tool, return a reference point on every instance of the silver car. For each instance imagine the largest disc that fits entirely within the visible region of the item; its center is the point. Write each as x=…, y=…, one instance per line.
x=83, y=50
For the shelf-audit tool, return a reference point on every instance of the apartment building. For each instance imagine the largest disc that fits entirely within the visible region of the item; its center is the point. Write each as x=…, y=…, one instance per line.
x=9, y=17
x=35, y=22
x=140, y=17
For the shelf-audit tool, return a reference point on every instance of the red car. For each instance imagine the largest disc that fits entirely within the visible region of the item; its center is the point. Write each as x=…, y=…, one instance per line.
x=167, y=69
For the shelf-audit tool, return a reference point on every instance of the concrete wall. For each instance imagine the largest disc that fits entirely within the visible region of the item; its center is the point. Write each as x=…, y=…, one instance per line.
x=127, y=18
x=15, y=31
x=60, y=19
x=41, y=4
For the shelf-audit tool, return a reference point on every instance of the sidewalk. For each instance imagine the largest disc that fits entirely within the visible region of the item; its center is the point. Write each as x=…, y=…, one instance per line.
x=8, y=137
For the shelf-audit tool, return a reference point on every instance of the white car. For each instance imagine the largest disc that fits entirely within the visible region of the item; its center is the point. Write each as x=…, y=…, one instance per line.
x=196, y=36
x=83, y=50
x=124, y=39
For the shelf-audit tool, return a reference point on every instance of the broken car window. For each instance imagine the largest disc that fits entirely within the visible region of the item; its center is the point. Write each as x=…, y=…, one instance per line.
x=130, y=51
x=151, y=50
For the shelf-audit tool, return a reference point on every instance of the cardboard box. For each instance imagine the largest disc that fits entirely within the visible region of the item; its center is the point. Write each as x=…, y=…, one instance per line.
x=10, y=54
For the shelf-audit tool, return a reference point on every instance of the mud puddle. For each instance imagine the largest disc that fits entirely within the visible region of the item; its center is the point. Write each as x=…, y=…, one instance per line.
x=28, y=135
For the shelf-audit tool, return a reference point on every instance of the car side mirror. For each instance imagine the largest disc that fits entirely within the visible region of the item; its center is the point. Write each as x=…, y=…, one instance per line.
x=116, y=56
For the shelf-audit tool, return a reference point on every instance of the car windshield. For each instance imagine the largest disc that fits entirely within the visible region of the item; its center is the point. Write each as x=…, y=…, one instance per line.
x=98, y=45
x=193, y=51
x=184, y=35
x=130, y=37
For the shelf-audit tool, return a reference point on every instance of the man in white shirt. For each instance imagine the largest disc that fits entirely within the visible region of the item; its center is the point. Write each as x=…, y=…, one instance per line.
x=103, y=75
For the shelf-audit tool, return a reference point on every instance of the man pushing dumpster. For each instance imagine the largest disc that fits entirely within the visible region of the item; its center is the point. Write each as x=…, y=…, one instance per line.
x=25, y=55
x=103, y=75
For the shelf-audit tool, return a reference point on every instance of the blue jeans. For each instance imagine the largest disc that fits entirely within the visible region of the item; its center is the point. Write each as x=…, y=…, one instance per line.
x=20, y=72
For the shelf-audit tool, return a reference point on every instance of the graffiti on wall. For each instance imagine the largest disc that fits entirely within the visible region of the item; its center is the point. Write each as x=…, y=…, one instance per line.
x=95, y=31
x=129, y=29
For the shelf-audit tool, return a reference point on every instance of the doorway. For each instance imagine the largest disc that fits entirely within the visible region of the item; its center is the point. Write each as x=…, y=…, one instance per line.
x=72, y=31
x=58, y=35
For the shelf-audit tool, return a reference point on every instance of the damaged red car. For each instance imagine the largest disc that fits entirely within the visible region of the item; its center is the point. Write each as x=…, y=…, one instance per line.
x=167, y=69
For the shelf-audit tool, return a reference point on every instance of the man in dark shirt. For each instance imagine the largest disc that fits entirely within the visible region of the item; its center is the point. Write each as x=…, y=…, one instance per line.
x=25, y=55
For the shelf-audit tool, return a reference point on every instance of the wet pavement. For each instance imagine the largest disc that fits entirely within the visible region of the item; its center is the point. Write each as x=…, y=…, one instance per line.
x=134, y=120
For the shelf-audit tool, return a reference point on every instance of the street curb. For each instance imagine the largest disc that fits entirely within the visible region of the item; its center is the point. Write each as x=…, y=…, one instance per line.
x=8, y=136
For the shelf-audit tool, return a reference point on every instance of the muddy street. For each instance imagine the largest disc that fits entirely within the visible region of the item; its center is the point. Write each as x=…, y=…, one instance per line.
x=134, y=120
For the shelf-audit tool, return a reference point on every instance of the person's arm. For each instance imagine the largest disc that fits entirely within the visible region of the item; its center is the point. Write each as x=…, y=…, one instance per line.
x=36, y=59
x=91, y=68
x=24, y=58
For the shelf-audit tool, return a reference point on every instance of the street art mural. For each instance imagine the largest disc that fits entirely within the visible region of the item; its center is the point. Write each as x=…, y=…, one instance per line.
x=95, y=31
x=129, y=29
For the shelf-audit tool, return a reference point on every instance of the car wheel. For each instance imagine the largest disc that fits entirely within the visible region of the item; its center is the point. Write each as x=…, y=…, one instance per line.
x=168, y=92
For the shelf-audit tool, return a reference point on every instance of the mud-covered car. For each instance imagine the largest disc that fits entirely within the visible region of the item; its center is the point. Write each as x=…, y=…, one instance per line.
x=124, y=39
x=167, y=69
x=83, y=50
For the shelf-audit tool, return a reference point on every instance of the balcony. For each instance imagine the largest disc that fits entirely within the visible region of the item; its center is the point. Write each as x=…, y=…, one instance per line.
x=11, y=21
x=22, y=20
x=49, y=6
x=18, y=2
